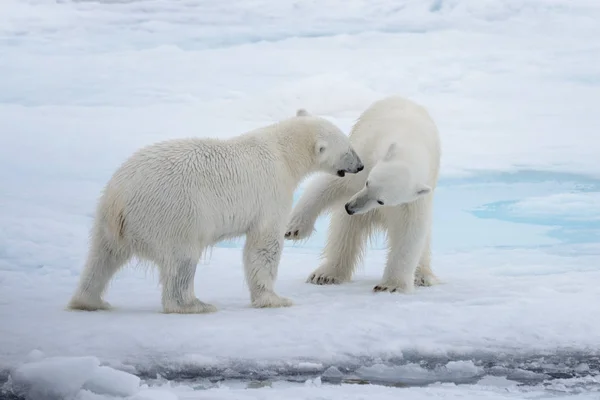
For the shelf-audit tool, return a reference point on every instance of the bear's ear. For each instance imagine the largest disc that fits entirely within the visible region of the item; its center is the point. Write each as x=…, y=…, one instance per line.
x=320, y=147
x=422, y=190
x=391, y=152
x=302, y=113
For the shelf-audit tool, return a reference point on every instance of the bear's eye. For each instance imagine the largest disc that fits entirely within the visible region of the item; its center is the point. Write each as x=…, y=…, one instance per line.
x=321, y=149
x=367, y=184
x=380, y=202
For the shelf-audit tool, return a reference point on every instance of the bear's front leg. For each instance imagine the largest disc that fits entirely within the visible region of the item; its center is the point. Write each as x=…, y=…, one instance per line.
x=262, y=254
x=324, y=191
x=346, y=240
x=424, y=276
x=406, y=242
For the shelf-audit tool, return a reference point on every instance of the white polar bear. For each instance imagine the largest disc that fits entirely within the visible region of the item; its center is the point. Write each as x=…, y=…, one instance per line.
x=400, y=147
x=172, y=200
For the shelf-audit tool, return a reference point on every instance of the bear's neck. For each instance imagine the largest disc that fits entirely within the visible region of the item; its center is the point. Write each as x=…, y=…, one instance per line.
x=296, y=143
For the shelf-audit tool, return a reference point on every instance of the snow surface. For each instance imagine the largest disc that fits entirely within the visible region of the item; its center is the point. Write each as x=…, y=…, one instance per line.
x=514, y=88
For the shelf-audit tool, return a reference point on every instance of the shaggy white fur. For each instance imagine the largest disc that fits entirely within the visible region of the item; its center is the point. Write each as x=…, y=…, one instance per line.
x=172, y=200
x=399, y=144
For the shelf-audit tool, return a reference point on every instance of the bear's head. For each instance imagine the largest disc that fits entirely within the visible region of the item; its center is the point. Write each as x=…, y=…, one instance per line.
x=391, y=182
x=333, y=151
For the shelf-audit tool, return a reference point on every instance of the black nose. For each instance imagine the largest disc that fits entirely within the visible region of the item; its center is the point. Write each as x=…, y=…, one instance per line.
x=348, y=210
x=360, y=168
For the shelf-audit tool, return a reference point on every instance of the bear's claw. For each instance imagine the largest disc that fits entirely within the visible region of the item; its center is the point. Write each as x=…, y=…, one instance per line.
x=289, y=234
x=394, y=287
x=323, y=280
x=383, y=289
x=324, y=277
x=425, y=280
x=299, y=228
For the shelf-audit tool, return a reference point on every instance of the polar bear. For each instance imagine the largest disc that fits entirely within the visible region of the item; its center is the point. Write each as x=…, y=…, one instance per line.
x=172, y=200
x=399, y=144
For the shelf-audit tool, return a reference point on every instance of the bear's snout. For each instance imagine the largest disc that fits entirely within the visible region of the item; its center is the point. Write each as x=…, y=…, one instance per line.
x=348, y=210
x=358, y=164
x=350, y=163
x=343, y=172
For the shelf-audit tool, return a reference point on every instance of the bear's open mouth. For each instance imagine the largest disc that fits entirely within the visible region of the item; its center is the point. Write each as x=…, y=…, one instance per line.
x=341, y=173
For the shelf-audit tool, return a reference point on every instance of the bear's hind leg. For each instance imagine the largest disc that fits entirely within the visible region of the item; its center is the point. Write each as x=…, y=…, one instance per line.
x=262, y=254
x=178, y=296
x=344, y=248
x=105, y=257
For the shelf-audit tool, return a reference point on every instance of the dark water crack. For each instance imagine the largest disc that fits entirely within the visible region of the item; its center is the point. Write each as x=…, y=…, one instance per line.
x=580, y=370
x=409, y=370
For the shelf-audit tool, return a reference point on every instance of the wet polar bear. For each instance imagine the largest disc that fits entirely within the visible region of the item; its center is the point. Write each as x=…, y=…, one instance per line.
x=170, y=201
x=400, y=147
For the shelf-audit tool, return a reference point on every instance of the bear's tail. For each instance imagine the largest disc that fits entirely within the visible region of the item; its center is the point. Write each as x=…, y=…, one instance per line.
x=112, y=211
x=116, y=225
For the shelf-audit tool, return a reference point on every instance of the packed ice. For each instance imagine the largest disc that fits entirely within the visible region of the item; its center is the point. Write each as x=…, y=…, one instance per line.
x=514, y=88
